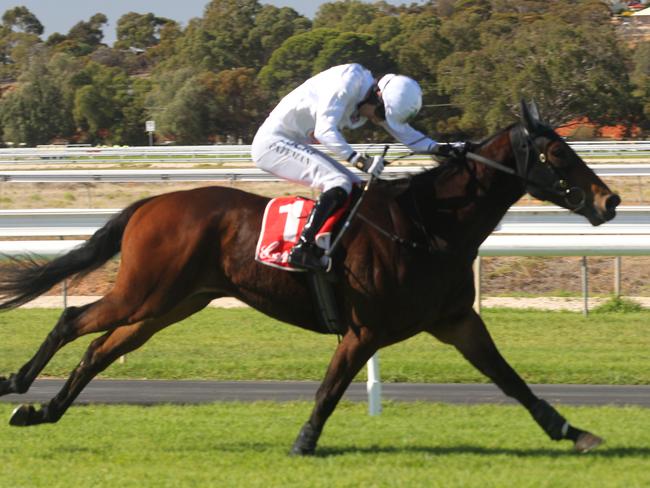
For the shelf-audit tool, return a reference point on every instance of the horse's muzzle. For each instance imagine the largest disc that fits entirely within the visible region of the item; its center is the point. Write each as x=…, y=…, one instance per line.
x=605, y=208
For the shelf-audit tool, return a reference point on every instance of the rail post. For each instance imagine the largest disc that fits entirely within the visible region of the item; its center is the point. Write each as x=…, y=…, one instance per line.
x=373, y=386
x=477, y=284
x=617, y=276
x=585, y=286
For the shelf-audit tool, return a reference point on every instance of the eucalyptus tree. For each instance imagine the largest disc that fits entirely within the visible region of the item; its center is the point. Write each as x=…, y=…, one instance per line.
x=36, y=111
x=573, y=65
x=140, y=31
x=19, y=34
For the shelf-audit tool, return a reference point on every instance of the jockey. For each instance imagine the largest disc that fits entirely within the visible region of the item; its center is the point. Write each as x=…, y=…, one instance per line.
x=344, y=96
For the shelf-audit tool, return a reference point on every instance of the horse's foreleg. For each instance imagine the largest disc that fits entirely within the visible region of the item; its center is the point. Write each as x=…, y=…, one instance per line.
x=471, y=338
x=352, y=353
x=99, y=355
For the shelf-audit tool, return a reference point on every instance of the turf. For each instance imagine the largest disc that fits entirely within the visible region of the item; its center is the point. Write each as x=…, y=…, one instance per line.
x=241, y=344
x=246, y=445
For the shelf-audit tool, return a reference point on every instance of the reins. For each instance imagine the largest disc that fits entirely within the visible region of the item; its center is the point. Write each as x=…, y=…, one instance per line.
x=526, y=155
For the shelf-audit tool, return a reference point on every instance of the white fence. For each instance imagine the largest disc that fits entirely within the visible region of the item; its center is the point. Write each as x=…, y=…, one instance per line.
x=241, y=152
x=236, y=174
x=525, y=230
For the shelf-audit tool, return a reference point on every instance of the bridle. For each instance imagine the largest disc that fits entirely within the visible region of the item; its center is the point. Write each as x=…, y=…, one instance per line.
x=533, y=168
x=537, y=174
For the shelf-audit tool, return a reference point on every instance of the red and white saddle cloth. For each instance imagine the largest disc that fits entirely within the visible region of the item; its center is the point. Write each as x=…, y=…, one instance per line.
x=284, y=219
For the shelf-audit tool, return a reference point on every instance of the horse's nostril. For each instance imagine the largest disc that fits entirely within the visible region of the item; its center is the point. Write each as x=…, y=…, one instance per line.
x=612, y=202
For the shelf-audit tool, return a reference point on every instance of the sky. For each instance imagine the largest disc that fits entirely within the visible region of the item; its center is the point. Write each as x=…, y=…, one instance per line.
x=60, y=15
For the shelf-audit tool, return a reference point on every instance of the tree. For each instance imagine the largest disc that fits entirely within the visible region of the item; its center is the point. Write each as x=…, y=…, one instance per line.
x=273, y=26
x=100, y=103
x=349, y=47
x=35, y=112
x=22, y=19
x=292, y=63
x=641, y=79
x=347, y=15
x=240, y=104
x=571, y=70
x=228, y=24
x=140, y=31
x=84, y=37
x=19, y=34
x=188, y=116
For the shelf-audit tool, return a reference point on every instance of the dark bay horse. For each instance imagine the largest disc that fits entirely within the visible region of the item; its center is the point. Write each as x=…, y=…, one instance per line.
x=404, y=267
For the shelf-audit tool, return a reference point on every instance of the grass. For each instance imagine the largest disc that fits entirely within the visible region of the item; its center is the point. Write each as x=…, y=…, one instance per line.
x=618, y=305
x=246, y=445
x=241, y=344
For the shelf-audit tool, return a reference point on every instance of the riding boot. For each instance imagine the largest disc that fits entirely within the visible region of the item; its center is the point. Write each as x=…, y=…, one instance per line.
x=306, y=254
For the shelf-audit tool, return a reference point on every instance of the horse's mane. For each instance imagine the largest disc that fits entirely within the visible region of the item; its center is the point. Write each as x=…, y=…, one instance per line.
x=449, y=166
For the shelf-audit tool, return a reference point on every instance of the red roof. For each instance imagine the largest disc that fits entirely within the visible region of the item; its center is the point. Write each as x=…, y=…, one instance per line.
x=583, y=128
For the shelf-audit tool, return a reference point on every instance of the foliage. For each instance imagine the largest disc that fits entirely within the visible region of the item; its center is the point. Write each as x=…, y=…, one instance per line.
x=139, y=30
x=568, y=69
x=21, y=18
x=349, y=47
x=292, y=62
x=618, y=305
x=84, y=37
x=106, y=107
x=474, y=59
x=641, y=79
x=38, y=110
x=273, y=26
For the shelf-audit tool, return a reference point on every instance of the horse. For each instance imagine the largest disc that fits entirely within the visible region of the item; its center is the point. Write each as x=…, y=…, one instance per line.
x=403, y=267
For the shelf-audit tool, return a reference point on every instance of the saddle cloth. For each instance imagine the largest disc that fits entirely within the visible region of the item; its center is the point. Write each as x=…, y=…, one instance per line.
x=284, y=219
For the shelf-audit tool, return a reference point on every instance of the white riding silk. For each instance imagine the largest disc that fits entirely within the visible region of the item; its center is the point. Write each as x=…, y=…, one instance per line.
x=316, y=112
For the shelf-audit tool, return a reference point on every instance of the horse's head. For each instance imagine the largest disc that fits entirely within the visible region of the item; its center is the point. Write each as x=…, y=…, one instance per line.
x=552, y=171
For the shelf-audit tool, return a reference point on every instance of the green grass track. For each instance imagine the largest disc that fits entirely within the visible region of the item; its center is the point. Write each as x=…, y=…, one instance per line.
x=245, y=445
x=241, y=344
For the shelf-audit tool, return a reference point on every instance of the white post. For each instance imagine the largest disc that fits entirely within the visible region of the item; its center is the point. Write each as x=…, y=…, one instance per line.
x=585, y=286
x=617, y=276
x=477, y=285
x=373, y=386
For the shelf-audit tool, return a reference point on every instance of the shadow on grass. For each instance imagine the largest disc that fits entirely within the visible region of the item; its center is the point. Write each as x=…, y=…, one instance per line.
x=325, y=452
x=602, y=452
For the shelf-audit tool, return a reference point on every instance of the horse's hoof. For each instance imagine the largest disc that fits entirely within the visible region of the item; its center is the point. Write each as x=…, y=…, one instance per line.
x=298, y=451
x=21, y=415
x=587, y=442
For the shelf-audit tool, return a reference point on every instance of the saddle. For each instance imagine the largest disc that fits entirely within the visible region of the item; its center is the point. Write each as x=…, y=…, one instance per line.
x=282, y=224
x=283, y=221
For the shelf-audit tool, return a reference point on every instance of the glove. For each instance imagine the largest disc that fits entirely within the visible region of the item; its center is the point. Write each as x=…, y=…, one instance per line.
x=451, y=149
x=373, y=165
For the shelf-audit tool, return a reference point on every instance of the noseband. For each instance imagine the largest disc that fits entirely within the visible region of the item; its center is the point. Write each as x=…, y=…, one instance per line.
x=530, y=159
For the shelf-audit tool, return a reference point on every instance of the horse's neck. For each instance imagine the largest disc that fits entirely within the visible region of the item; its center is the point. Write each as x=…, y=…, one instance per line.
x=469, y=201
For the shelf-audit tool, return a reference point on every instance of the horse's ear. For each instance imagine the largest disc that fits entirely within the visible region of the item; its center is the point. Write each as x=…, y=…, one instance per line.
x=530, y=115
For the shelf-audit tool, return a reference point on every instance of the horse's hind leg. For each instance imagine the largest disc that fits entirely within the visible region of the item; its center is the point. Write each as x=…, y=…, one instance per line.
x=62, y=333
x=352, y=353
x=470, y=336
x=100, y=354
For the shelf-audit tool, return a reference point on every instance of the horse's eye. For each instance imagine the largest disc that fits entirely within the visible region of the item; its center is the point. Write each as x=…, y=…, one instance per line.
x=558, y=152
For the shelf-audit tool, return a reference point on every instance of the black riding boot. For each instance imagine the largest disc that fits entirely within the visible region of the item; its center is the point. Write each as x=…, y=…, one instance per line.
x=306, y=254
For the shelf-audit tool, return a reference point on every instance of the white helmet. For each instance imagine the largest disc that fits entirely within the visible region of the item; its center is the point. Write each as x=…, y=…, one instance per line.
x=402, y=98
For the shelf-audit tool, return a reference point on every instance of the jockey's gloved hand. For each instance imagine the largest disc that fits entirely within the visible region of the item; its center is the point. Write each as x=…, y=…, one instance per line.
x=373, y=165
x=451, y=149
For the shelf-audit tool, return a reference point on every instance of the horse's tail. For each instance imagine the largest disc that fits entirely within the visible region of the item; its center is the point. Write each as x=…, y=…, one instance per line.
x=26, y=279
